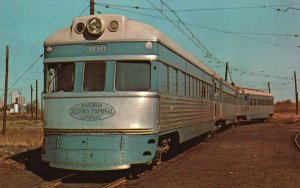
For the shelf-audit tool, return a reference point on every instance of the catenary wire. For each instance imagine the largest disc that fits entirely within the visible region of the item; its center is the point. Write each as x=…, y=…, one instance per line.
x=198, y=9
x=84, y=10
x=19, y=78
x=250, y=72
x=234, y=34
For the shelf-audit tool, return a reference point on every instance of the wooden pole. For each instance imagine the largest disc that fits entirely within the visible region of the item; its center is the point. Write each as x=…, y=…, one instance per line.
x=42, y=108
x=296, y=92
x=92, y=7
x=31, y=104
x=5, y=92
x=36, y=100
x=226, y=71
x=269, y=87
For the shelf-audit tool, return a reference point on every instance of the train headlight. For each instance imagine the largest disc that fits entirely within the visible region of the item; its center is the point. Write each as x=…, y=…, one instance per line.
x=48, y=49
x=80, y=27
x=113, y=26
x=94, y=26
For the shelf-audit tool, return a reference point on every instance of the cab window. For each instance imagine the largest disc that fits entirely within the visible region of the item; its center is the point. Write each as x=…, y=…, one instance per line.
x=94, y=76
x=132, y=76
x=60, y=77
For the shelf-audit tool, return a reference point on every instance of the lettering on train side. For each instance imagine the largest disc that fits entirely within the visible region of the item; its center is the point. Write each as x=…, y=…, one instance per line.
x=94, y=49
x=91, y=111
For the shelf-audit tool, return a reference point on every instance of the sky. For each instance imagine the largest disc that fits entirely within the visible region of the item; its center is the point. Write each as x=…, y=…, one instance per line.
x=259, y=42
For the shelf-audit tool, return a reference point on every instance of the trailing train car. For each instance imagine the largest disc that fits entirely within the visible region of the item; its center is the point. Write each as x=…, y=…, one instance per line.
x=118, y=92
x=255, y=105
x=228, y=102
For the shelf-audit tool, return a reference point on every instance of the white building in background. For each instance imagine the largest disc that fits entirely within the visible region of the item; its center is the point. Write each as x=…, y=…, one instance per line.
x=16, y=97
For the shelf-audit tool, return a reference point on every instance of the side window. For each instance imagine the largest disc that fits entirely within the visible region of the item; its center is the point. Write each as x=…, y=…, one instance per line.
x=195, y=87
x=61, y=77
x=172, y=81
x=164, y=78
x=191, y=86
x=133, y=76
x=203, y=90
x=187, y=88
x=94, y=76
x=200, y=89
x=181, y=83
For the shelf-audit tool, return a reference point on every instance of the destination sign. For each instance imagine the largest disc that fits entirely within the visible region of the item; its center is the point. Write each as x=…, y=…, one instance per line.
x=91, y=111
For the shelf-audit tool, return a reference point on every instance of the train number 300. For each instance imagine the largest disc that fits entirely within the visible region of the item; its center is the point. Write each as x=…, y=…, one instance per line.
x=95, y=49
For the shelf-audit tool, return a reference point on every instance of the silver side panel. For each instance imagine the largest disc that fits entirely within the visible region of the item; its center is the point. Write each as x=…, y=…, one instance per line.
x=179, y=112
x=101, y=112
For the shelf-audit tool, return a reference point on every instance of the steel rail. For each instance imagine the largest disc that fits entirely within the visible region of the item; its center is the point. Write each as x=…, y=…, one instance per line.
x=297, y=140
x=55, y=182
x=116, y=183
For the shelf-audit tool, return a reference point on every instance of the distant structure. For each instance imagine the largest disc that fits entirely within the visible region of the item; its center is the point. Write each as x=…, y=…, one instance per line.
x=1, y=103
x=16, y=97
x=21, y=100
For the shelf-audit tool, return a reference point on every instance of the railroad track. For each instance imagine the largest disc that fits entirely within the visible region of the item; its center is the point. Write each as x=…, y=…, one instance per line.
x=297, y=140
x=116, y=183
x=57, y=182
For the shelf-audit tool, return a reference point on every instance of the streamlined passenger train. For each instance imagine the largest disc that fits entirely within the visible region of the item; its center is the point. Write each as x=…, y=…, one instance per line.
x=118, y=92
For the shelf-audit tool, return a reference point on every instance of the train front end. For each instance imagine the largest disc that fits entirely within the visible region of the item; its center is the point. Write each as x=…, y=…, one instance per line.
x=100, y=99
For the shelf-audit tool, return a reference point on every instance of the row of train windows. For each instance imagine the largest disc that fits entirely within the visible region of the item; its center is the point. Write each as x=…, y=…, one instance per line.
x=227, y=98
x=130, y=76
x=260, y=102
x=176, y=82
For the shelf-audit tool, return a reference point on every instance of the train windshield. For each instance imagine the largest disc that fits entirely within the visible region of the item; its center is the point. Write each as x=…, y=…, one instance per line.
x=132, y=76
x=94, y=76
x=60, y=77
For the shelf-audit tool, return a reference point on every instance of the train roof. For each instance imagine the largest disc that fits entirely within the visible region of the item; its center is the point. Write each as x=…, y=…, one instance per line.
x=256, y=92
x=130, y=30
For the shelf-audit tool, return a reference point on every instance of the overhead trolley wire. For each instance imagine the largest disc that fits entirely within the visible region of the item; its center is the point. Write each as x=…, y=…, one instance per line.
x=250, y=73
x=19, y=78
x=84, y=10
x=190, y=35
x=204, y=27
x=198, y=9
x=289, y=8
x=234, y=8
x=233, y=33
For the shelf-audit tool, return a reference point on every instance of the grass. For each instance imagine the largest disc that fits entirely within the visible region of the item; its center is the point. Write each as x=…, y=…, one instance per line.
x=22, y=130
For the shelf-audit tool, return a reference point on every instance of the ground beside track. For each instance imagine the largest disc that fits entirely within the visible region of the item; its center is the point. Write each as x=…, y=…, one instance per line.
x=253, y=155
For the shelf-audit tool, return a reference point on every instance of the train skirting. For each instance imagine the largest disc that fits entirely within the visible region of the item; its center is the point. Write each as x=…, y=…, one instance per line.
x=98, y=151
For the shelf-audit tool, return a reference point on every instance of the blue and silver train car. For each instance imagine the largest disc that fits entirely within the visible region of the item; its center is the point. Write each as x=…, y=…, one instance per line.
x=118, y=92
x=254, y=104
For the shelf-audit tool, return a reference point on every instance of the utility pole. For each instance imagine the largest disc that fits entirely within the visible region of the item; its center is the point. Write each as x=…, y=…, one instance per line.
x=296, y=92
x=226, y=71
x=5, y=92
x=92, y=7
x=36, y=100
x=42, y=108
x=31, y=105
x=269, y=87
